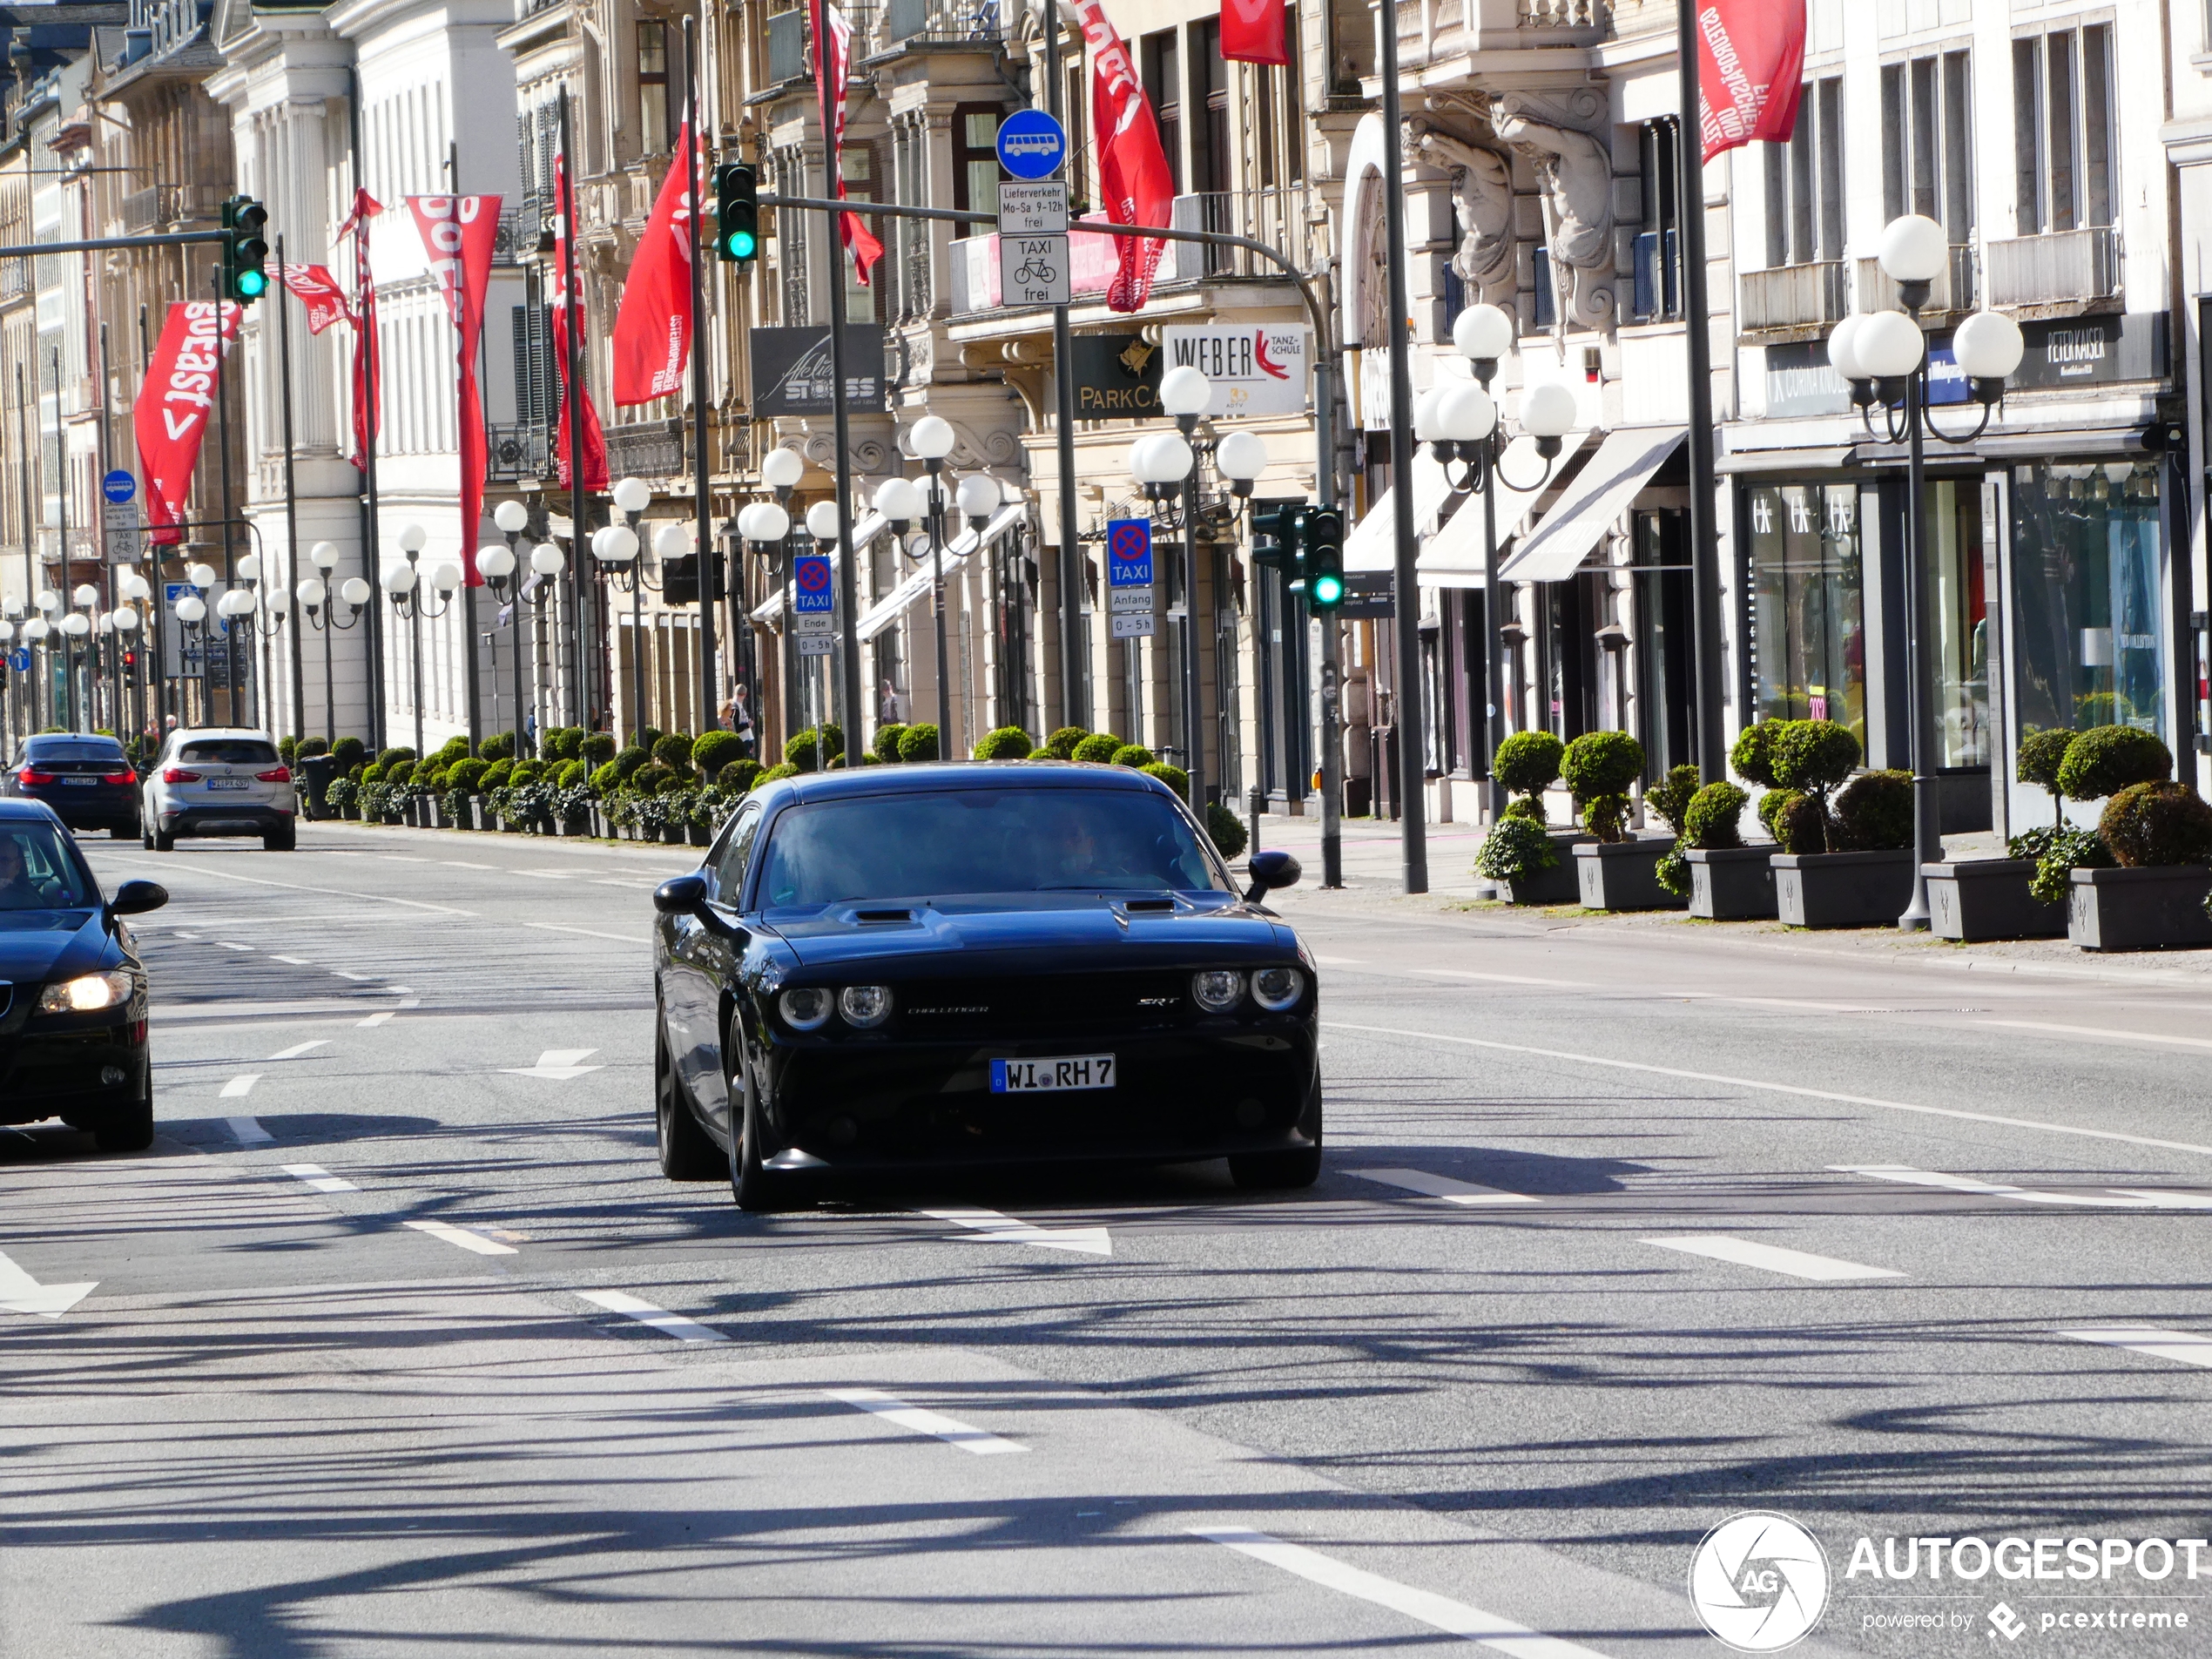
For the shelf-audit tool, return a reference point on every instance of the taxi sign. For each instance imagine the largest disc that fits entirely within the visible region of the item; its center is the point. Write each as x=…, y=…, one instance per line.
x=810, y=582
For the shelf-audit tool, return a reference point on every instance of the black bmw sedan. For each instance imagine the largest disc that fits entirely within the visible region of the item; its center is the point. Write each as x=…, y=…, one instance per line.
x=83, y=776
x=72, y=989
x=929, y=965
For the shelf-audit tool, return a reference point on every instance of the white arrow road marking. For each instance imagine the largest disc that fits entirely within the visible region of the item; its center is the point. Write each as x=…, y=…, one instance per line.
x=463, y=1237
x=298, y=1049
x=922, y=1422
x=1442, y=1186
x=1424, y=1607
x=248, y=1131
x=1993, y=1188
x=20, y=1294
x=1005, y=1230
x=2186, y=1347
x=318, y=1177
x=239, y=1088
x=558, y=1064
x=1745, y=1252
x=673, y=1325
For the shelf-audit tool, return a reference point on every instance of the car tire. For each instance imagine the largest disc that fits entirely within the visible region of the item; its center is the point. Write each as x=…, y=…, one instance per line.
x=284, y=840
x=1277, y=1172
x=163, y=842
x=687, y=1153
x=131, y=1128
x=755, y=1188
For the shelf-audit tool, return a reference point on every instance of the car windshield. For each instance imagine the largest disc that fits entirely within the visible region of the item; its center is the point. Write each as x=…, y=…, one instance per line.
x=989, y=840
x=231, y=751
x=73, y=749
x=39, y=870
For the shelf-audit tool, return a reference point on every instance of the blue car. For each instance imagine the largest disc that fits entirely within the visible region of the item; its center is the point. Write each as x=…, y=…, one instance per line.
x=83, y=776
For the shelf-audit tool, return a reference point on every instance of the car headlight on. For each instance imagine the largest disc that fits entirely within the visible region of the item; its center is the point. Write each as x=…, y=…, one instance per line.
x=865, y=1005
x=807, y=1009
x=1217, y=989
x=86, y=995
x=1277, y=988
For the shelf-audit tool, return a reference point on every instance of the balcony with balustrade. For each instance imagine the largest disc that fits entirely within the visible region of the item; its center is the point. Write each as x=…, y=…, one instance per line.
x=2061, y=273
x=1793, y=301
x=1951, y=291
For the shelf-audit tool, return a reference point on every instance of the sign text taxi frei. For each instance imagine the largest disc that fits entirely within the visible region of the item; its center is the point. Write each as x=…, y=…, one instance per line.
x=1034, y=267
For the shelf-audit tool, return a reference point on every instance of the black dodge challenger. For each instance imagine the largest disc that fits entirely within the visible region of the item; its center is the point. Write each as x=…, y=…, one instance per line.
x=906, y=967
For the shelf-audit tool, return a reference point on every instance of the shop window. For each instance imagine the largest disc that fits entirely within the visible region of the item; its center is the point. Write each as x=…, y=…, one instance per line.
x=1663, y=632
x=2062, y=130
x=1808, y=617
x=2088, y=645
x=975, y=161
x=1804, y=181
x=1210, y=98
x=1658, y=253
x=862, y=300
x=660, y=109
x=1927, y=147
x=1960, y=623
x=1163, y=86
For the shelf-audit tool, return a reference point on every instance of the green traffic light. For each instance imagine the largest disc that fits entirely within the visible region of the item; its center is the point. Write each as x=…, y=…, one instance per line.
x=252, y=285
x=1327, y=590
x=742, y=244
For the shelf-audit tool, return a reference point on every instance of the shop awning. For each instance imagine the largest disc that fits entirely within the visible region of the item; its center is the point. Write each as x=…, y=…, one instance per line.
x=1453, y=557
x=771, y=609
x=1373, y=544
x=888, y=610
x=1600, y=494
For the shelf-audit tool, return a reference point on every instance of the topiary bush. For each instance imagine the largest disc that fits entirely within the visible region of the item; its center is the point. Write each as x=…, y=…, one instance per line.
x=310, y=747
x=569, y=774
x=500, y=745
x=1174, y=776
x=917, y=742
x=1060, y=744
x=1038, y=753
x=1752, y=758
x=1527, y=764
x=526, y=772
x=2107, y=758
x=1225, y=829
x=498, y=775
x=673, y=750
x=1668, y=799
x=1874, y=812
x=288, y=750
x=1811, y=758
x=887, y=741
x=1709, y=819
x=739, y=775
x=348, y=752
x=466, y=775
x=1007, y=743
x=565, y=742
x=400, y=774
x=1801, y=825
x=716, y=749
x=605, y=779
x=372, y=773
x=1516, y=848
x=452, y=749
x=2041, y=755
x=1599, y=768
x=2150, y=826
x=1134, y=754
x=628, y=760
x=653, y=777
x=1772, y=804
x=388, y=758
x=597, y=747
x=1098, y=749
x=786, y=770
x=803, y=750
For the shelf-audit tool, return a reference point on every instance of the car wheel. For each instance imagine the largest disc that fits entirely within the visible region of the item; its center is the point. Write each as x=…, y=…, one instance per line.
x=756, y=1188
x=687, y=1153
x=145, y=838
x=163, y=842
x=1262, y=1171
x=131, y=1128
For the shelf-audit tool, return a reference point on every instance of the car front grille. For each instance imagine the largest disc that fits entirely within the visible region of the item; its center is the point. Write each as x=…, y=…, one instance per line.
x=1042, y=1004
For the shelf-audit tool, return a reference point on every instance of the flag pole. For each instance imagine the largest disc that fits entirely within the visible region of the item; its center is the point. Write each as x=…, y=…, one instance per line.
x=468, y=578
x=847, y=587
x=701, y=559
x=572, y=390
x=1704, y=554
x=291, y=489
x=370, y=390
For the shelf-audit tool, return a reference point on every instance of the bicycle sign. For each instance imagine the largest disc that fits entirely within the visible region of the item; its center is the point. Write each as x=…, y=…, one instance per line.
x=810, y=589
x=1033, y=269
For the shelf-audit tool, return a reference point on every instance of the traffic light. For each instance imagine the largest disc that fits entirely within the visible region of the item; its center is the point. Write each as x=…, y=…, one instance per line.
x=736, y=215
x=1324, y=557
x=244, y=252
x=1276, y=528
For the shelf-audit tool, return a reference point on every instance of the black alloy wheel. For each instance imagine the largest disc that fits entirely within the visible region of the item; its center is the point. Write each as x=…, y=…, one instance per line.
x=756, y=1188
x=687, y=1153
x=131, y=1128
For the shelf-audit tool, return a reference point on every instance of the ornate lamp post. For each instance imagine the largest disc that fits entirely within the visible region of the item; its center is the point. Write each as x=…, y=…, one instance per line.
x=1885, y=356
x=766, y=526
x=900, y=501
x=253, y=602
x=75, y=627
x=313, y=592
x=400, y=587
x=616, y=549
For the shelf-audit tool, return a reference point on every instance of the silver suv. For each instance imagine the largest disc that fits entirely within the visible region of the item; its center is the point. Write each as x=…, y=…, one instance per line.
x=219, y=780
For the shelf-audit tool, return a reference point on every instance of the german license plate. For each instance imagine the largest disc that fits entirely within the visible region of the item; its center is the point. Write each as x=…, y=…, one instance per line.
x=1037, y=1076
x=79, y=783
x=226, y=783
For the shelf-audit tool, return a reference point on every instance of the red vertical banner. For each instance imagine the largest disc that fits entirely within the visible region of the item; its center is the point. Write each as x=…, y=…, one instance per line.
x=594, y=440
x=1750, y=68
x=836, y=36
x=652, y=335
x=458, y=233
x=367, y=379
x=171, y=414
x=1133, y=177
x=1252, y=32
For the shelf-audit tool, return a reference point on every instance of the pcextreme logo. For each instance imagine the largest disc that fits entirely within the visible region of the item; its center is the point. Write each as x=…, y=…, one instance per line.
x=1759, y=1582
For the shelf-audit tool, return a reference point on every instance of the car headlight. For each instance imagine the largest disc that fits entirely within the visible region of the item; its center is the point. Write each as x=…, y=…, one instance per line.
x=1277, y=988
x=1217, y=989
x=86, y=995
x=865, y=1005
x=807, y=1009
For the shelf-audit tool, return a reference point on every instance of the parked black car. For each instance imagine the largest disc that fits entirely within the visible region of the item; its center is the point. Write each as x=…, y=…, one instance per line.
x=83, y=776
x=904, y=968
x=72, y=989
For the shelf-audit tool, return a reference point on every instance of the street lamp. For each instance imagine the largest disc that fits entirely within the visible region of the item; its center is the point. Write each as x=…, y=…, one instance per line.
x=902, y=502
x=1883, y=355
x=402, y=586
x=766, y=526
x=313, y=593
x=615, y=547
x=496, y=565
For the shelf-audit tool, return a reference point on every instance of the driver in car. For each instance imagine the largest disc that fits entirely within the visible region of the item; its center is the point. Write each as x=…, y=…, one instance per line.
x=19, y=889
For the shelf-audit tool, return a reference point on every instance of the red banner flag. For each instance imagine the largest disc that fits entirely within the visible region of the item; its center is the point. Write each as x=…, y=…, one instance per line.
x=1252, y=32
x=652, y=338
x=594, y=440
x=1750, y=68
x=368, y=376
x=837, y=41
x=171, y=417
x=1133, y=175
x=315, y=287
x=458, y=233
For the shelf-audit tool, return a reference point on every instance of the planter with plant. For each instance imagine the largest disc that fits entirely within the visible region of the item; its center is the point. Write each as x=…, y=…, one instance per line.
x=2159, y=835
x=1527, y=764
x=1617, y=870
x=2100, y=762
x=1727, y=880
x=1976, y=900
x=1837, y=868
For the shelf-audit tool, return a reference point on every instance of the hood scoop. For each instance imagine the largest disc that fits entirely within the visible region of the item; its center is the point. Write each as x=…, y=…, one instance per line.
x=864, y=917
x=1149, y=906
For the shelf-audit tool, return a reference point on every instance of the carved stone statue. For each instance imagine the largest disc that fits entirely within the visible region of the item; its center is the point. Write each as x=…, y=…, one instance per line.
x=1482, y=182
x=1575, y=173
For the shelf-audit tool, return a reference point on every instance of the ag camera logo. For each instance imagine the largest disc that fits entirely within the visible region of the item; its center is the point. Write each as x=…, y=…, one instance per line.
x=1759, y=1582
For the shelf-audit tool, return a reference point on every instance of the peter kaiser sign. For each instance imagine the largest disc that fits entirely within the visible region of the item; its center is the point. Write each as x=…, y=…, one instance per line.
x=1257, y=368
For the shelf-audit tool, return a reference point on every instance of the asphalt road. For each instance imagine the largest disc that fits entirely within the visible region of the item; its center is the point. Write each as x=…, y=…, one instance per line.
x=397, y=1342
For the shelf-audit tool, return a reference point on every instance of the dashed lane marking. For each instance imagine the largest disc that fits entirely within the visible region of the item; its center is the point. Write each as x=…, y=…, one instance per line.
x=672, y=1324
x=227, y=945
x=464, y=864
x=1005, y=1230
x=239, y=1088
x=292, y=961
x=463, y=1237
x=1773, y=1258
x=376, y=1019
x=2161, y=1199
x=320, y=1178
x=2184, y=1347
x=923, y=1421
x=1505, y=979
x=589, y=933
x=358, y=978
x=1442, y=1186
x=1908, y=1177
x=298, y=1049
x=248, y=1131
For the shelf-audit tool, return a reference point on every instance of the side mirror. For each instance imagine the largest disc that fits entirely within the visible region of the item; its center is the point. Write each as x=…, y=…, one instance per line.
x=680, y=895
x=135, y=897
x=1269, y=871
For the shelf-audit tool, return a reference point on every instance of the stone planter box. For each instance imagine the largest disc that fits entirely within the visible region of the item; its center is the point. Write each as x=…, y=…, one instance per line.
x=1732, y=883
x=351, y=814
x=1842, y=889
x=2155, y=909
x=1979, y=899
x=695, y=835
x=1623, y=875
x=1559, y=884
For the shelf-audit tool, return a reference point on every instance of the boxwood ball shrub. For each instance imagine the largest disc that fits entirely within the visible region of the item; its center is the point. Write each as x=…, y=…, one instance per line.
x=787, y=769
x=1527, y=764
x=716, y=749
x=526, y=772
x=1099, y=749
x=2157, y=825
x=803, y=748
x=2041, y=755
x=1173, y=776
x=917, y=742
x=597, y=747
x=628, y=759
x=653, y=777
x=1811, y=756
x=674, y=751
x=498, y=775
x=1007, y=743
x=2106, y=760
x=887, y=740
x=739, y=775
x=310, y=747
x=1041, y=753
x=1874, y=812
x=569, y=774
x=348, y=752
x=565, y=742
x=288, y=750
x=1668, y=799
x=1708, y=819
x=1772, y=804
x=386, y=757
x=1060, y=744
x=497, y=745
x=1752, y=758
x=1516, y=848
x=373, y=772
x=605, y=779
x=1599, y=768
x=1226, y=830
x=1134, y=754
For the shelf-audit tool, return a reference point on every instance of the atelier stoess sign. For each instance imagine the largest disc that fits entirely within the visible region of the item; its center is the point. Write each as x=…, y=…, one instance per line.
x=1117, y=377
